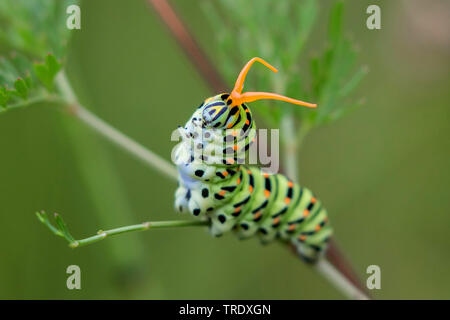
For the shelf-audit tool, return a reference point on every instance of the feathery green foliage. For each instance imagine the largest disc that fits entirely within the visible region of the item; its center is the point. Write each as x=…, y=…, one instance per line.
x=35, y=34
x=245, y=31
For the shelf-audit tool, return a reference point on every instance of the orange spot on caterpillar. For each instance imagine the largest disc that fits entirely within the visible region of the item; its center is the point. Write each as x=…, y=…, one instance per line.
x=250, y=188
x=287, y=200
x=222, y=192
x=247, y=122
x=257, y=215
x=230, y=161
x=237, y=209
x=235, y=147
x=305, y=212
x=313, y=200
x=249, y=172
x=290, y=184
x=276, y=220
x=292, y=227
x=266, y=193
x=238, y=181
x=234, y=133
x=317, y=227
x=225, y=173
x=265, y=175
x=302, y=237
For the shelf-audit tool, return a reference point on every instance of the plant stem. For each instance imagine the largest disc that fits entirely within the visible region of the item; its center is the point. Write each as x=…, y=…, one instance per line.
x=43, y=97
x=100, y=180
x=329, y=272
x=107, y=131
x=187, y=42
x=291, y=148
x=137, y=227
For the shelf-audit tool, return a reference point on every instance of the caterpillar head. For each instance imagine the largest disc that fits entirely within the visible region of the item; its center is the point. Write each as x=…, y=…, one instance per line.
x=218, y=111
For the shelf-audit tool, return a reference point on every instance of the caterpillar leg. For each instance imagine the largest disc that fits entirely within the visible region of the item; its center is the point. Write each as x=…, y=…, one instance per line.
x=312, y=248
x=181, y=201
x=312, y=241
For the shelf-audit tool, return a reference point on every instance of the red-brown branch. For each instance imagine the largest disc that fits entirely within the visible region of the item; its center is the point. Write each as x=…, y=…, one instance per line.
x=335, y=256
x=190, y=47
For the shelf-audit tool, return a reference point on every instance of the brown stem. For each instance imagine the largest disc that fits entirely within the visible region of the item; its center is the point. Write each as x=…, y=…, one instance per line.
x=190, y=47
x=335, y=256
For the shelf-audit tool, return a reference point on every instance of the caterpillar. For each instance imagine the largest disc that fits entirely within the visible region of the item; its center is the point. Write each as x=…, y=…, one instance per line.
x=215, y=182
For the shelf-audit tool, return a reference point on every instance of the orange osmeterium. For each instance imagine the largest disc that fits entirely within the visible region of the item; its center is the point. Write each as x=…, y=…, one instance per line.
x=239, y=98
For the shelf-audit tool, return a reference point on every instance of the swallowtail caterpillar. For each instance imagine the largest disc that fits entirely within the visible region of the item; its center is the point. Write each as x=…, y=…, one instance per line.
x=213, y=181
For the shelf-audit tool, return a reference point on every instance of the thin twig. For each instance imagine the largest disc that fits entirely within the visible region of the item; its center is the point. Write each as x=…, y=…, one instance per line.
x=138, y=227
x=43, y=97
x=340, y=280
x=343, y=265
x=329, y=272
x=190, y=47
x=112, y=134
x=61, y=229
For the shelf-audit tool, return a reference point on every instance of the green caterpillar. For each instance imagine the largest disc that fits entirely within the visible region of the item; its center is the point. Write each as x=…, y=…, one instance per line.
x=214, y=181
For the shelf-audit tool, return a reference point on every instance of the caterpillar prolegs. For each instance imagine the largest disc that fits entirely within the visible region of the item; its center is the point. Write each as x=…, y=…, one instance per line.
x=214, y=182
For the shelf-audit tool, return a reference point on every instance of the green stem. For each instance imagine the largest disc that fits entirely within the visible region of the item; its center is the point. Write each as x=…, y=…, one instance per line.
x=44, y=97
x=112, y=134
x=137, y=227
x=98, y=174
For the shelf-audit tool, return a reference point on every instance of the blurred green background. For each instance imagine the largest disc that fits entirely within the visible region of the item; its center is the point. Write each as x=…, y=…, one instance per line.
x=382, y=171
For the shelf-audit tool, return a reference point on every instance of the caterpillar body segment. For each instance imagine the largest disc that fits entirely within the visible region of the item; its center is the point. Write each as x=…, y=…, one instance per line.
x=215, y=182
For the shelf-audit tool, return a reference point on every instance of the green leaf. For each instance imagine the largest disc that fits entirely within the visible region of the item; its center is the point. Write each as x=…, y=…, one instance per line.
x=20, y=80
x=31, y=29
x=345, y=110
x=43, y=75
x=28, y=80
x=21, y=88
x=5, y=95
x=63, y=228
x=35, y=27
x=52, y=64
x=307, y=15
x=42, y=216
x=335, y=24
x=47, y=71
x=354, y=81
